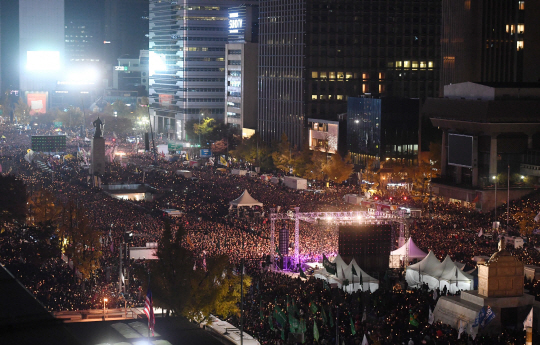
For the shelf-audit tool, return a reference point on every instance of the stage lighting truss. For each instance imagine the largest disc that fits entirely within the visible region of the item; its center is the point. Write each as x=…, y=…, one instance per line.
x=356, y=217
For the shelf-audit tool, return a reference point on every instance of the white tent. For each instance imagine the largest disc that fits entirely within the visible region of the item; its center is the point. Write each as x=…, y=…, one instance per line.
x=424, y=271
x=408, y=250
x=438, y=275
x=245, y=200
x=453, y=278
x=344, y=272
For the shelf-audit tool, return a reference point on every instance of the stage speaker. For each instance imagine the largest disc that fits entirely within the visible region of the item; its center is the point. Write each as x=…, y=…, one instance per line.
x=146, y=142
x=368, y=244
x=284, y=241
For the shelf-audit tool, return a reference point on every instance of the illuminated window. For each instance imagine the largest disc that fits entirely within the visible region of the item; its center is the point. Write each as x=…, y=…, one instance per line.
x=415, y=65
x=331, y=75
x=520, y=28
x=406, y=64
x=314, y=75
x=381, y=75
x=339, y=97
x=399, y=64
x=521, y=5
x=430, y=65
x=381, y=88
x=364, y=88
x=467, y=4
x=519, y=45
x=423, y=65
x=323, y=75
x=348, y=75
x=510, y=29
x=365, y=76
x=340, y=75
x=323, y=97
x=314, y=97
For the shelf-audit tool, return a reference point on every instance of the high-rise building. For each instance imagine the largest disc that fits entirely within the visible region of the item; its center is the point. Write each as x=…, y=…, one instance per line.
x=41, y=46
x=241, y=67
x=187, y=62
x=490, y=41
x=315, y=54
x=83, y=41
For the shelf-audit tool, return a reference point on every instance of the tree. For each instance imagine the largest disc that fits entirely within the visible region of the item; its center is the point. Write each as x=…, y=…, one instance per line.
x=302, y=160
x=12, y=199
x=83, y=246
x=204, y=128
x=5, y=103
x=338, y=168
x=526, y=224
x=43, y=207
x=282, y=155
x=219, y=147
x=315, y=169
x=214, y=290
x=22, y=112
x=72, y=117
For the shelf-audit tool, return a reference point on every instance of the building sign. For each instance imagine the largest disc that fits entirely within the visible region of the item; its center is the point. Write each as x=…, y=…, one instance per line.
x=120, y=68
x=205, y=153
x=37, y=102
x=236, y=22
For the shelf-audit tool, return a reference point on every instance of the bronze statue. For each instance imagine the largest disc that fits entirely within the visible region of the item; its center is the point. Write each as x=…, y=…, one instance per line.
x=98, y=124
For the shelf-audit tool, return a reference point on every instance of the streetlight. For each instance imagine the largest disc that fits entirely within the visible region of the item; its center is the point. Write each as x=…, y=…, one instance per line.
x=495, y=178
x=104, y=301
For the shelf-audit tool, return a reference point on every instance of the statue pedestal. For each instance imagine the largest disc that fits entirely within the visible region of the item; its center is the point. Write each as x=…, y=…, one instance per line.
x=97, y=167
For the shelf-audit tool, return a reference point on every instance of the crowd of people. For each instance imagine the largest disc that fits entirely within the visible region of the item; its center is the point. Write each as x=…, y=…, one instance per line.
x=214, y=229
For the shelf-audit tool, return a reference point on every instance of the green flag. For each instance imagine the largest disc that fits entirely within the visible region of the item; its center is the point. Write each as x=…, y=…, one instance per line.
x=412, y=320
x=302, y=274
x=329, y=266
x=315, y=331
x=313, y=307
x=280, y=316
x=354, y=271
x=324, y=317
x=353, y=331
x=271, y=322
x=331, y=317
x=283, y=333
x=294, y=323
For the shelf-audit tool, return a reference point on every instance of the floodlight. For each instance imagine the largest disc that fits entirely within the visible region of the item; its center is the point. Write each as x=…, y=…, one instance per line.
x=43, y=60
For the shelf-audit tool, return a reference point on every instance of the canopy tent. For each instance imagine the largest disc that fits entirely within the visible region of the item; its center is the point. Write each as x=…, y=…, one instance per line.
x=245, y=200
x=424, y=271
x=453, y=278
x=408, y=250
x=344, y=272
x=438, y=275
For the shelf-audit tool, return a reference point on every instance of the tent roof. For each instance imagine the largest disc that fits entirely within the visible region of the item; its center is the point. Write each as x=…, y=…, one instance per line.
x=414, y=251
x=245, y=200
x=450, y=272
x=429, y=265
x=366, y=278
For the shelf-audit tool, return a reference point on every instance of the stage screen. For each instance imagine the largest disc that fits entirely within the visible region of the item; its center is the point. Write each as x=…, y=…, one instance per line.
x=368, y=244
x=460, y=150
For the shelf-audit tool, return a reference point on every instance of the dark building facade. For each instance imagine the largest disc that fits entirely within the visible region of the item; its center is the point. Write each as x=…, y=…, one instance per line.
x=383, y=129
x=313, y=55
x=490, y=41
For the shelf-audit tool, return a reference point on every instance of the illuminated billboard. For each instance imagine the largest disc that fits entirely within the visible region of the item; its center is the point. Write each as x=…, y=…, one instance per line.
x=43, y=60
x=165, y=100
x=37, y=101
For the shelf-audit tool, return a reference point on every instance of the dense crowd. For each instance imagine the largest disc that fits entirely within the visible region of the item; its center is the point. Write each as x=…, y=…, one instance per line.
x=214, y=229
